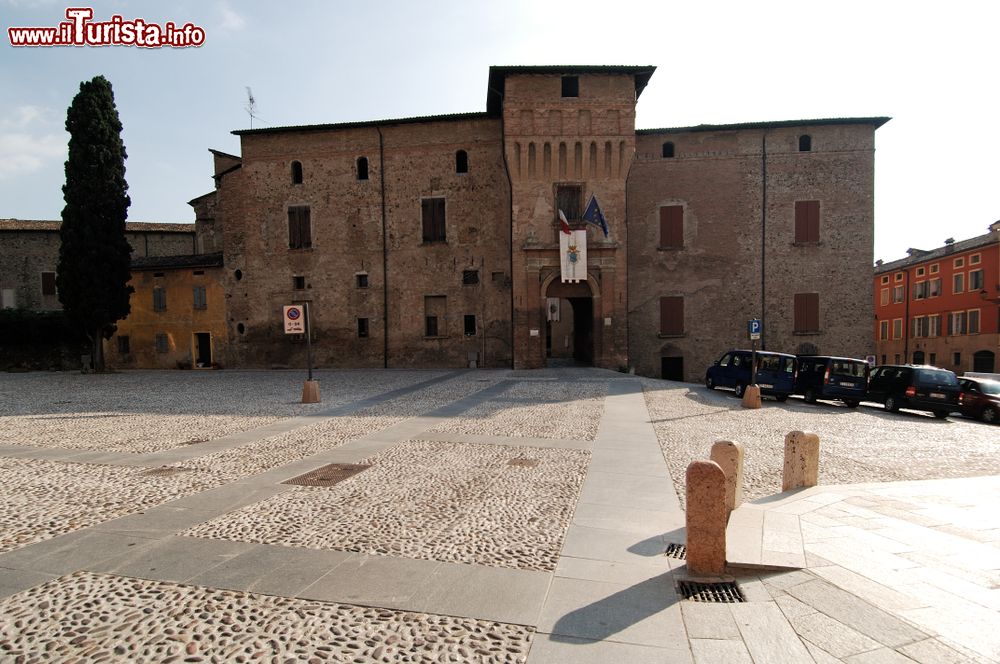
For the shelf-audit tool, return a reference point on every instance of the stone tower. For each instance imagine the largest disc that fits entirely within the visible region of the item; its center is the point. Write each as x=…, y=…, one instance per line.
x=569, y=134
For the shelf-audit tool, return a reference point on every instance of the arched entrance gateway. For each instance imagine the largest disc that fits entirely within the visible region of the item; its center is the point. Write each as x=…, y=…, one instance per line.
x=570, y=331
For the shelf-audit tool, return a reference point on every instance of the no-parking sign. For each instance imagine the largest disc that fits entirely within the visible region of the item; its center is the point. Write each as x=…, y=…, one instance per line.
x=295, y=319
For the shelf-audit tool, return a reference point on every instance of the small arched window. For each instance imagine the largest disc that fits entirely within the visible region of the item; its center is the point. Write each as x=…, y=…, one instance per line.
x=362, y=168
x=296, y=172
x=805, y=143
x=668, y=150
x=461, y=161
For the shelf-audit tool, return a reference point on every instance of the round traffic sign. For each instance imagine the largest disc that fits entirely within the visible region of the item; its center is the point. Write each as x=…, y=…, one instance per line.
x=293, y=313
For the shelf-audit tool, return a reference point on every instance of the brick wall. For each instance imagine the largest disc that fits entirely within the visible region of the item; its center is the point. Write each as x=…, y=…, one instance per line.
x=347, y=240
x=717, y=178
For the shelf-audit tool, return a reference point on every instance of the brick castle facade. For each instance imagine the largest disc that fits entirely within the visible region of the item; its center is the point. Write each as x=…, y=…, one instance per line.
x=430, y=242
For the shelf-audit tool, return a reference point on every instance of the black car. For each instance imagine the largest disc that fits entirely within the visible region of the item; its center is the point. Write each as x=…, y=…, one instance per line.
x=825, y=377
x=914, y=386
x=980, y=398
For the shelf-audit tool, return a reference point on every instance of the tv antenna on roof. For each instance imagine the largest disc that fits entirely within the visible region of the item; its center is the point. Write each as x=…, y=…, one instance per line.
x=251, y=106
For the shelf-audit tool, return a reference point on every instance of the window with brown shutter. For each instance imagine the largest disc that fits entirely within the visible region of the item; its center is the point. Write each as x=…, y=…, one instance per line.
x=672, y=315
x=48, y=283
x=568, y=200
x=672, y=226
x=432, y=214
x=806, y=312
x=299, y=227
x=806, y=222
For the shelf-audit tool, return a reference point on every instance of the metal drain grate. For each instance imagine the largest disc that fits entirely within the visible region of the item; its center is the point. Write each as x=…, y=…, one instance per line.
x=678, y=551
x=523, y=463
x=164, y=471
x=726, y=592
x=328, y=475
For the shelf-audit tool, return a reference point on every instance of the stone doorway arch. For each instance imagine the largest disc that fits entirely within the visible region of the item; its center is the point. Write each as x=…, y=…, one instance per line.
x=573, y=339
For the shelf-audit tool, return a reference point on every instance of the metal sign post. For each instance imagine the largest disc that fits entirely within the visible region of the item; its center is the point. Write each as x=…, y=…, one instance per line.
x=754, y=328
x=298, y=321
x=309, y=348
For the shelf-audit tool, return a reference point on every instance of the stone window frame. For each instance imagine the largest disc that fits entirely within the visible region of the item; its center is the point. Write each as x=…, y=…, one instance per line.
x=897, y=328
x=805, y=143
x=296, y=171
x=461, y=162
x=668, y=150
x=977, y=283
x=361, y=280
x=884, y=330
x=958, y=283
x=969, y=320
x=364, y=329
x=361, y=169
x=466, y=320
x=161, y=342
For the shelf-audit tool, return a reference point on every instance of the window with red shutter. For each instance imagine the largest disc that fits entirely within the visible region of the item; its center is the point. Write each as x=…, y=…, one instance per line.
x=672, y=226
x=433, y=220
x=806, y=222
x=672, y=315
x=299, y=227
x=806, y=314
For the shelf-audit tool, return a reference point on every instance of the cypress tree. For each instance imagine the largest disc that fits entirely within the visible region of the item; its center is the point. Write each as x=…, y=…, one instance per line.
x=94, y=255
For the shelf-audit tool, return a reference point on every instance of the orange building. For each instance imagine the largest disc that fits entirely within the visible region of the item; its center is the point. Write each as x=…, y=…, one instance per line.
x=178, y=317
x=941, y=307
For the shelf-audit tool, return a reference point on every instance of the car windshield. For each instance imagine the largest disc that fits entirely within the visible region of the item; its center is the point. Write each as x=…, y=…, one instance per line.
x=990, y=387
x=936, y=377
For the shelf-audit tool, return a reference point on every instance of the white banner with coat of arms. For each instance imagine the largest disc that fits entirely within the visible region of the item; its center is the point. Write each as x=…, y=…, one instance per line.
x=573, y=256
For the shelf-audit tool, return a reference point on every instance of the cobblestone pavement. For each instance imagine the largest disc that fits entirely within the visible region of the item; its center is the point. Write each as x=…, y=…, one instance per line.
x=95, y=617
x=42, y=499
x=537, y=410
x=429, y=500
x=443, y=551
x=151, y=411
x=858, y=445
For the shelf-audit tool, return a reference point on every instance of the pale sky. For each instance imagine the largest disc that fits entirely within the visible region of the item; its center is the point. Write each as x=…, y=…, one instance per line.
x=931, y=67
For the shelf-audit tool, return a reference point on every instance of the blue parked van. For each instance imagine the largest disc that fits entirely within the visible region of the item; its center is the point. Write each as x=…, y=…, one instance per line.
x=825, y=377
x=775, y=373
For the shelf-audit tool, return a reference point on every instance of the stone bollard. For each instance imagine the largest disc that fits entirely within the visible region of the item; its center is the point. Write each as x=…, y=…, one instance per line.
x=729, y=456
x=310, y=391
x=706, y=518
x=751, y=396
x=801, y=460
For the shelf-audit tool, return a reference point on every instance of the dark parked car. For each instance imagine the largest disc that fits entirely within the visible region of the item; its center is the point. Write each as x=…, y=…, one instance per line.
x=824, y=377
x=980, y=398
x=914, y=386
x=775, y=373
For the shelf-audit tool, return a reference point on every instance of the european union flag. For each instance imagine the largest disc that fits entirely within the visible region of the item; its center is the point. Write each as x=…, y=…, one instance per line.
x=594, y=216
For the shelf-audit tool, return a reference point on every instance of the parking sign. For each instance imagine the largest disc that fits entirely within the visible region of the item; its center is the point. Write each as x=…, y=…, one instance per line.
x=295, y=319
x=754, y=327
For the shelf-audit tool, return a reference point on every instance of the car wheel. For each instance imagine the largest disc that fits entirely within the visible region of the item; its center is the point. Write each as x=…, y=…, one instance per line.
x=940, y=414
x=709, y=383
x=852, y=403
x=738, y=389
x=989, y=415
x=810, y=396
x=781, y=397
x=891, y=405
